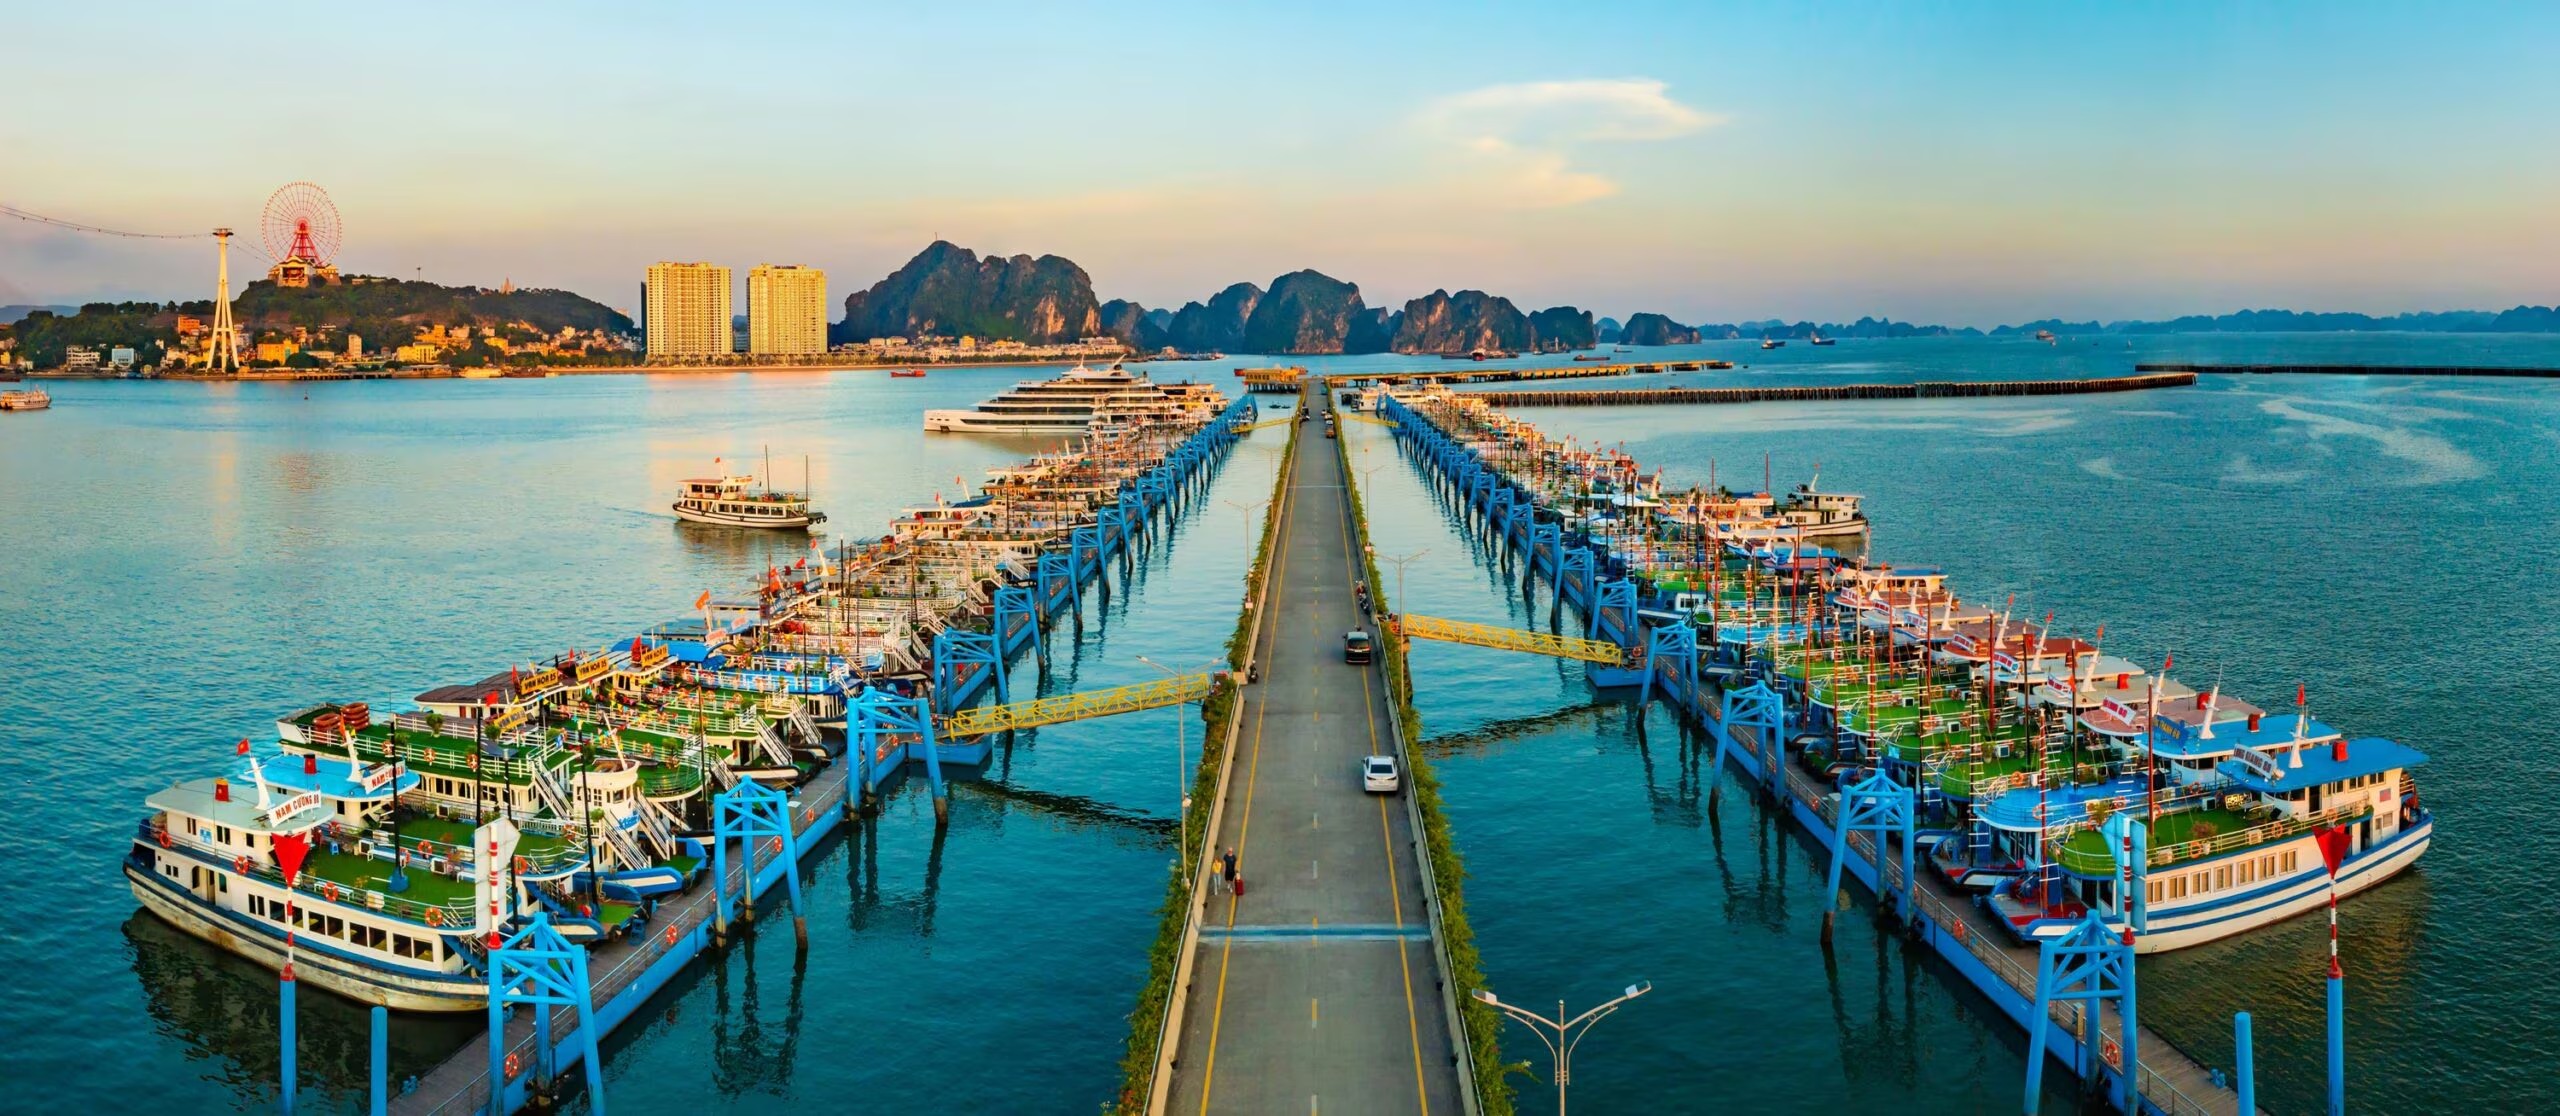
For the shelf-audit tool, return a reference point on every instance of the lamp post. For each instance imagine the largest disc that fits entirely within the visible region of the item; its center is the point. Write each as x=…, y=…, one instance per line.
x=1247, y=507
x=1568, y=1032
x=1372, y=550
x=1181, y=768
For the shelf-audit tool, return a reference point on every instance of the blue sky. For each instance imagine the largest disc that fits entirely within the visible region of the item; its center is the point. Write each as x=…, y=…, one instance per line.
x=1967, y=163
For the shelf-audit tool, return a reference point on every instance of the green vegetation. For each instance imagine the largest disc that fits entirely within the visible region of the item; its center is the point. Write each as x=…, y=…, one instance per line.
x=147, y=327
x=384, y=312
x=1146, y=1022
x=1466, y=966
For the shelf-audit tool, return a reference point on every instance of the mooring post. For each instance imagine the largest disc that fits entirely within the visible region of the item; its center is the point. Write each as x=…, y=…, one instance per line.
x=719, y=887
x=381, y=1074
x=2244, y=1064
x=2337, y=1040
x=285, y=1069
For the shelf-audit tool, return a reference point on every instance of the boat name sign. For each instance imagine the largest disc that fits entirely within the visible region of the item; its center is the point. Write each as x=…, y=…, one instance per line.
x=281, y=812
x=375, y=776
x=2259, y=764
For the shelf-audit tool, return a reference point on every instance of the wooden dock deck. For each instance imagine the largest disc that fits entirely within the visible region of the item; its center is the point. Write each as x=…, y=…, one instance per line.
x=679, y=931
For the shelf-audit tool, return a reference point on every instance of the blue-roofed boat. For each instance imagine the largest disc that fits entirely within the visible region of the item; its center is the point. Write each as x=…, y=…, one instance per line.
x=2230, y=803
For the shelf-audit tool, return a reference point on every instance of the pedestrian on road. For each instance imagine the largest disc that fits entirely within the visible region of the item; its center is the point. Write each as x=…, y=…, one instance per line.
x=1230, y=860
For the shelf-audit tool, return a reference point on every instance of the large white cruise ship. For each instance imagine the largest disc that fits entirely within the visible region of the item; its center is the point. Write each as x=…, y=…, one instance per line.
x=1079, y=401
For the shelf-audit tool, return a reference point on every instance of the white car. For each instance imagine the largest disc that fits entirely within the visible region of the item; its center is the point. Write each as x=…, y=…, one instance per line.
x=1378, y=775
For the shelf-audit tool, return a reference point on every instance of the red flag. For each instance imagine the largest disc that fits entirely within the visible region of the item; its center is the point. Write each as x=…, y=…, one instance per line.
x=2301, y=693
x=290, y=849
x=2333, y=845
x=244, y=745
x=703, y=601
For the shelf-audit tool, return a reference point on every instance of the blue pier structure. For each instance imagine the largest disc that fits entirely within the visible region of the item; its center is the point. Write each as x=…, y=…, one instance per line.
x=1867, y=823
x=759, y=833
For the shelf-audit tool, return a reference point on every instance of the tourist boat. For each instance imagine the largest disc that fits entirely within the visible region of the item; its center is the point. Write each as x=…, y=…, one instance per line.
x=1772, y=343
x=1818, y=339
x=376, y=921
x=907, y=374
x=33, y=399
x=735, y=501
x=1077, y=401
x=2234, y=820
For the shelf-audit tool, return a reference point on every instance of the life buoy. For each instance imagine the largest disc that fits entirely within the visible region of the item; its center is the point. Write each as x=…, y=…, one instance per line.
x=671, y=936
x=523, y=865
x=425, y=849
x=240, y=864
x=167, y=841
x=475, y=761
x=329, y=891
x=435, y=916
x=515, y=1065
x=404, y=858
x=586, y=911
x=773, y=844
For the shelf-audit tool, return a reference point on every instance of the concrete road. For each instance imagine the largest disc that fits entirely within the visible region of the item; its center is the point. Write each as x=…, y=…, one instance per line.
x=1316, y=992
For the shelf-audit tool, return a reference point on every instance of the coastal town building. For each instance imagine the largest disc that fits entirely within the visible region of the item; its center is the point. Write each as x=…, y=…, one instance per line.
x=685, y=309
x=786, y=310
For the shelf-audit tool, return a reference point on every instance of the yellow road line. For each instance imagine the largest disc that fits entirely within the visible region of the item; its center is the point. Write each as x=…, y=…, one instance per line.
x=1387, y=837
x=1253, y=773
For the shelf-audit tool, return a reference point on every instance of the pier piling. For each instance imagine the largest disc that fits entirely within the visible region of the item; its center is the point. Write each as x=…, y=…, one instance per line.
x=285, y=1074
x=381, y=1073
x=2244, y=1064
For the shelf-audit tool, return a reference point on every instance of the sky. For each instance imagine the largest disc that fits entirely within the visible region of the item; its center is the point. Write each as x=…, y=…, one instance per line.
x=1967, y=164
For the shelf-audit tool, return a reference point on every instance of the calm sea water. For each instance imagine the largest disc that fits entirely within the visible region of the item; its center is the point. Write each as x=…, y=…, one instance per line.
x=184, y=562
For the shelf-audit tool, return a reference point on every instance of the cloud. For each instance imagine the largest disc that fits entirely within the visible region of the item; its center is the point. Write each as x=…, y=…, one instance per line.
x=1521, y=138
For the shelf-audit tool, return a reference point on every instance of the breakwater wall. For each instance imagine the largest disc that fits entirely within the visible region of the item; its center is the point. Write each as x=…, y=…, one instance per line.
x=1926, y=389
x=2353, y=370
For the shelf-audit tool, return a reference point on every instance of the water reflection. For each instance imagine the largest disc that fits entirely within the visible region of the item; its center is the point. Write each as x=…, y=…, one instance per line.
x=744, y=1056
x=224, y=1008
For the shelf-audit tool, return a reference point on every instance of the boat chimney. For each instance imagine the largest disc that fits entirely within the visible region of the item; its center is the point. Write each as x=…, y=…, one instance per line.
x=2124, y=681
x=2338, y=748
x=222, y=790
x=2253, y=721
x=2200, y=699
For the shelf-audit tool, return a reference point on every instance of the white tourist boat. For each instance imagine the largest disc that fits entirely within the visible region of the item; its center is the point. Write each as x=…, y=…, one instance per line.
x=1079, y=401
x=736, y=501
x=32, y=399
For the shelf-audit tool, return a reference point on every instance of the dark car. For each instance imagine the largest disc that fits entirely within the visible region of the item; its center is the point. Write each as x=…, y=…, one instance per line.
x=1356, y=649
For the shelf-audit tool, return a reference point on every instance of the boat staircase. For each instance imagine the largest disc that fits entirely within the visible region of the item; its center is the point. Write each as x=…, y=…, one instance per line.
x=805, y=725
x=1605, y=652
x=713, y=760
x=770, y=742
x=551, y=786
x=660, y=820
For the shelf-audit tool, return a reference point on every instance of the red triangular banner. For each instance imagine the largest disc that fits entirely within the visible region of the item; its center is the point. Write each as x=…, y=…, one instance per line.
x=2333, y=845
x=290, y=849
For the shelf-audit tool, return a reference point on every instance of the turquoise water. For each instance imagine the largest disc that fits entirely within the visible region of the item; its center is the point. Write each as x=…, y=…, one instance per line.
x=186, y=561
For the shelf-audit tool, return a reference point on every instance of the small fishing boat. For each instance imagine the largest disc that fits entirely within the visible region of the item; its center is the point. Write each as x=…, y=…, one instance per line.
x=1772, y=343
x=1818, y=339
x=1589, y=356
x=907, y=374
x=736, y=501
x=33, y=399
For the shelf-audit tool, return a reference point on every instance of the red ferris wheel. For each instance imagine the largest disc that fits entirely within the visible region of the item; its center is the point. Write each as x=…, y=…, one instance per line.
x=301, y=223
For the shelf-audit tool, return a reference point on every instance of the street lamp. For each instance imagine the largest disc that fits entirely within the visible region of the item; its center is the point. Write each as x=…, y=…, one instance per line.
x=1372, y=550
x=1181, y=768
x=1568, y=1032
x=1247, y=507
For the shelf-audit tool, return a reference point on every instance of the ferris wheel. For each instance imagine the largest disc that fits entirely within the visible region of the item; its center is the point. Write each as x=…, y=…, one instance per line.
x=301, y=222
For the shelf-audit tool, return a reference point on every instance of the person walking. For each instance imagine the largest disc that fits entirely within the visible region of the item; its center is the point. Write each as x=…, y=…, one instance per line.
x=1227, y=865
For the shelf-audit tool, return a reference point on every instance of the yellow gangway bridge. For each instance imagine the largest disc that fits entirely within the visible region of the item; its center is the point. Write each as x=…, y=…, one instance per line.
x=1514, y=639
x=978, y=720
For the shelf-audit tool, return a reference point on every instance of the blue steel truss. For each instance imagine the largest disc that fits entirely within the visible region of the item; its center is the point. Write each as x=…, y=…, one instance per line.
x=540, y=968
x=1879, y=806
x=2091, y=964
x=753, y=814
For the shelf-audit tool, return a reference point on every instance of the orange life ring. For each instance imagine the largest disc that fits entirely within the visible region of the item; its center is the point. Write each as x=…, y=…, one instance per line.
x=404, y=858
x=671, y=935
x=240, y=864
x=523, y=865
x=329, y=891
x=435, y=916
x=515, y=1065
x=425, y=849
x=475, y=761
x=167, y=841
x=773, y=844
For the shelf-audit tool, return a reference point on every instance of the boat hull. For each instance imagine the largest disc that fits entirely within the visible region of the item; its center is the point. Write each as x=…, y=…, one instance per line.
x=367, y=985
x=971, y=422
x=781, y=523
x=2300, y=894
